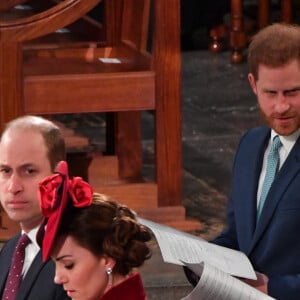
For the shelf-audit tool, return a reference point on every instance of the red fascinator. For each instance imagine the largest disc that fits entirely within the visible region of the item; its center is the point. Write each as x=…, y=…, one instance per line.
x=55, y=193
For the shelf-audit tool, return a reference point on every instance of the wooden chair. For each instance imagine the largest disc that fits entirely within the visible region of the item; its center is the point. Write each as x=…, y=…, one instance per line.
x=104, y=68
x=9, y=4
x=239, y=30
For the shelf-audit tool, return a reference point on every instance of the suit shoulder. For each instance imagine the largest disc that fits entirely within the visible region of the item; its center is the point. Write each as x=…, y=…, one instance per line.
x=9, y=243
x=255, y=134
x=257, y=131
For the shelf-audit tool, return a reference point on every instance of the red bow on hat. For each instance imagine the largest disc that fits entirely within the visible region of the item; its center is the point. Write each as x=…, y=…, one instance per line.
x=55, y=192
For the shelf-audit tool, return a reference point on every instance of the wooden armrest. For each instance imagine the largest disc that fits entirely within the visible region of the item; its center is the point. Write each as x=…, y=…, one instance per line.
x=8, y=4
x=50, y=20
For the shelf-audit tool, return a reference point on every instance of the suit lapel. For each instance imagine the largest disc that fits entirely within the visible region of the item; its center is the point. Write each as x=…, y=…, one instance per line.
x=289, y=170
x=247, y=187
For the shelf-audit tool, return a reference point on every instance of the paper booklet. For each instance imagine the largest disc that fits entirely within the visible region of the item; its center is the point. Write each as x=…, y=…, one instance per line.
x=215, y=265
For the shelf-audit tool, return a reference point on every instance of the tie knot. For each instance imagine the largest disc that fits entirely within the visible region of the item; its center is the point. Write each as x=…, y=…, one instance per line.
x=276, y=144
x=23, y=241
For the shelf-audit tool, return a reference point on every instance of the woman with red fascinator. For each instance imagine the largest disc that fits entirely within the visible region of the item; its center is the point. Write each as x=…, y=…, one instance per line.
x=94, y=241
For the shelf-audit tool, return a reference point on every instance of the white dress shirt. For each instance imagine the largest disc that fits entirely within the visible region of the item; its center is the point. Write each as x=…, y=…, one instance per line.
x=31, y=250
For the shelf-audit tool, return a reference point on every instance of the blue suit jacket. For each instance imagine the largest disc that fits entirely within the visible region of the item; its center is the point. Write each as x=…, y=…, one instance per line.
x=38, y=283
x=273, y=245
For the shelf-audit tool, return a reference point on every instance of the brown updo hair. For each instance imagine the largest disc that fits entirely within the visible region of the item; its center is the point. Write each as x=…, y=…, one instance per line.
x=107, y=227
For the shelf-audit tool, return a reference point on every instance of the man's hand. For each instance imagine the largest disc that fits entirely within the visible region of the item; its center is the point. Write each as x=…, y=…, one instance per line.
x=261, y=283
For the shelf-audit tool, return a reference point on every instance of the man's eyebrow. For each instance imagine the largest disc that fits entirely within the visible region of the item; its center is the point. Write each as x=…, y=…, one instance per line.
x=27, y=165
x=24, y=166
x=291, y=90
x=294, y=89
x=4, y=166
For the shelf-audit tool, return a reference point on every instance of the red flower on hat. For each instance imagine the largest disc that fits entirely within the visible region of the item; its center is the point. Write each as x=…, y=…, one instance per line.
x=80, y=192
x=48, y=189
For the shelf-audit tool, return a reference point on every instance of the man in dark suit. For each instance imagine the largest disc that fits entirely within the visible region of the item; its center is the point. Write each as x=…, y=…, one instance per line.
x=30, y=148
x=267, y=231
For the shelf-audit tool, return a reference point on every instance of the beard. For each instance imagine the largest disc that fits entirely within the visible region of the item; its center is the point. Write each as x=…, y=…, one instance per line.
x=283, y=124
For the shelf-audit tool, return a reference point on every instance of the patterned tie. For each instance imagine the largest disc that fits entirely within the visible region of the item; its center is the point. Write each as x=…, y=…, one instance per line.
x=272, y=168
x=15, y=272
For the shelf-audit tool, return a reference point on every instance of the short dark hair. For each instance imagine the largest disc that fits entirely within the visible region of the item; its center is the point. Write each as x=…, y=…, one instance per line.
x=274, y=46
x=51, y=133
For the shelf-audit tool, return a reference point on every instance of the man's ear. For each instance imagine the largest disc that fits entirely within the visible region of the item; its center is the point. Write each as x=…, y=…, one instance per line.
x=252, y=83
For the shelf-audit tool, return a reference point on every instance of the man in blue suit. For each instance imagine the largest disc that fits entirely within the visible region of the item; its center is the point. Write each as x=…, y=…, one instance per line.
x=30, y=148
x=270, y=239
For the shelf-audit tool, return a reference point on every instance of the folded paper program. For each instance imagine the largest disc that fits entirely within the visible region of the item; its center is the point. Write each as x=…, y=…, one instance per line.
x=215, y=265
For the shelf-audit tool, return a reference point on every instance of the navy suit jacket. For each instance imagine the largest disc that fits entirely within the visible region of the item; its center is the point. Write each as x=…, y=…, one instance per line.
x=38, y=283
x=273, y=244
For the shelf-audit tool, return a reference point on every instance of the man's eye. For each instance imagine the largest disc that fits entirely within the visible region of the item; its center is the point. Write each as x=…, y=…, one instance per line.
x=30, y=171
x=4, y=170
x=292, y=93
x=270, y=93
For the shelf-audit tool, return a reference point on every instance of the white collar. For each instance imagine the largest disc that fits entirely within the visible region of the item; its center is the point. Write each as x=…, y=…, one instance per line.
x=287, y=141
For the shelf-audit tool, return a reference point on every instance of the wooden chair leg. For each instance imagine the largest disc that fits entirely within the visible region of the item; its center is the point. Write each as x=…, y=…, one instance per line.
x=168, y=107
x=238, y=28
x=11, y=86
x=286, y=11
x=124, y=140
x=263, y=13
x=238, y=36
x=128, y=141
x=110, y=147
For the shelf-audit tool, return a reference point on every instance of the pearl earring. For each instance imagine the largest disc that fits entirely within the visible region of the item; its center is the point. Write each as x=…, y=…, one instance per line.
x=108, y=271
x=110, y=277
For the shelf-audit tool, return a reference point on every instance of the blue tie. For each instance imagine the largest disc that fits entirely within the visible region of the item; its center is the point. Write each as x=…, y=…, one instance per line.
x=272, y=168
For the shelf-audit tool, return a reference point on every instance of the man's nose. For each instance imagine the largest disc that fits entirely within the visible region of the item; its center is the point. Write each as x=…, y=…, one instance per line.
x=15, y=184
x=282, y=104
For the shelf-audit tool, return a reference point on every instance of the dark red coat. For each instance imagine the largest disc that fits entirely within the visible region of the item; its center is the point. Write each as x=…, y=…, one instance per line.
x=129, y=289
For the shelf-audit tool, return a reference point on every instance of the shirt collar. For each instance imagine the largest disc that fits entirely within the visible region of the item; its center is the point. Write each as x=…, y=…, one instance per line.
x=32, y=235
x=287, y=141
